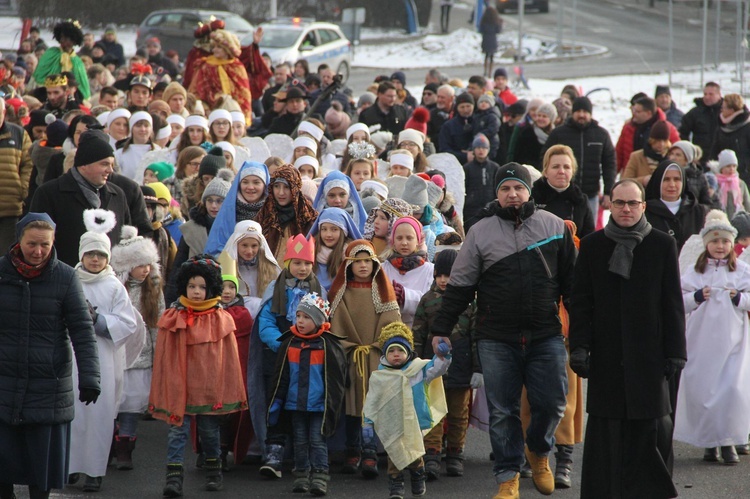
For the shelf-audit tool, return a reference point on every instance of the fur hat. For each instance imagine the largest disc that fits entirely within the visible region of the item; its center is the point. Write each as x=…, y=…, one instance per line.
x=134, y=251
x=381, y=138
x=98, y=222
x=396, y=333
x=219, y=185
x=204, y=266
x=717, y=226
x=301, y=248
x=316, y=307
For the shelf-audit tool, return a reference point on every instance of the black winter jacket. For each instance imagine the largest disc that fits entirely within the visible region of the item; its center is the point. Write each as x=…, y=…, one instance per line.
x=479, y=180
x=594, y=153
x=39, y=320
x=519, y=262
x=701, y=122
x=735, y=136
x=528, y=149
x=392, y=122
x=456, y=137
x=571, y=204
x=488, y=123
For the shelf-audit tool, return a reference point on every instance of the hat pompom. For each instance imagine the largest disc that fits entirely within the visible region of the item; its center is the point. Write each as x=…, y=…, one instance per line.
x=49, y=119
x=128, y=232
x=225, y=174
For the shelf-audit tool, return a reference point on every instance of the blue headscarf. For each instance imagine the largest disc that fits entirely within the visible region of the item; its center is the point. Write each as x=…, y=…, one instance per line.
x=338, y=179
x=226, y=219
x=340, y=219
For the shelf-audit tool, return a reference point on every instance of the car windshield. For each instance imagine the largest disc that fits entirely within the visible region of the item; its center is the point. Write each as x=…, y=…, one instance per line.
x=279, y=38
x=236, y=23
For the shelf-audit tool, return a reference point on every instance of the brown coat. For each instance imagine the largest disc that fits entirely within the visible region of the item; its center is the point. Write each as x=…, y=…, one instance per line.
x=639, y=166
x=356, y=319
x=15, y=169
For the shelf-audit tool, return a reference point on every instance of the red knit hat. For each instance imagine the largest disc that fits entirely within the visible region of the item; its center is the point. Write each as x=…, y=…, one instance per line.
x=299, y=247
x=419, y=119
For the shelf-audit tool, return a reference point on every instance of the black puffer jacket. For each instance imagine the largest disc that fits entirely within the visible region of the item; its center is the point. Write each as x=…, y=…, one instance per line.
x=735, y=136
x=39, y=320
x=594, y=152
x=701, y=122
x=571, y=204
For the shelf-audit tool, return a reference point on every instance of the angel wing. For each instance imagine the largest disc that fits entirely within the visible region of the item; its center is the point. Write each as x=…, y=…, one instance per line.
x=258, y=148
x=280, y=145
x=690, y=252
x=241, y=154
x=454, y=174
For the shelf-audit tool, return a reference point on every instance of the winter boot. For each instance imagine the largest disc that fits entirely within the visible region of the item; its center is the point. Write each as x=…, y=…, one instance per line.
x=214, y=475
x=508, y=489
x=124, y=449
x=418, y=482
x=562, y=474
x=729, y=455
x=742, y=450
x=432, y=464
x=396, y=486
x=454, y=462
x=369, y=464
x=711, y=454
x=173, y=487
x=92, y=484
x=542, y=476
x=319, y=483
x=351, y=465
x=272, y=468
x=301, y=481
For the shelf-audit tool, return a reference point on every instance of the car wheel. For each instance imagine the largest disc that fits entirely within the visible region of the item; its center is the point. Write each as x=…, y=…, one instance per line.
x=343, y=70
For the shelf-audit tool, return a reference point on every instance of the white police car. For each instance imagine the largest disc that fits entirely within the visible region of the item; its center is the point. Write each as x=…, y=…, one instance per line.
x=292, y=39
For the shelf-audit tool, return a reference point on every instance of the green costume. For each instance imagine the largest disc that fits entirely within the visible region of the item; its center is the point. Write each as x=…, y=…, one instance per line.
x=55, y=61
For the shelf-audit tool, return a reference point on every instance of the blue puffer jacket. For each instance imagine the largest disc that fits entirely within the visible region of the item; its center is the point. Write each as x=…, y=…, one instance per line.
x=38, y=321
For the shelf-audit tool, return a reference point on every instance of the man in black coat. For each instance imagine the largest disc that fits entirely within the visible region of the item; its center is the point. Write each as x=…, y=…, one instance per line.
x=385, y=112
x=700, y=123
x=83, y=187
x=157, y=59
x=593, y=150
x=441, y=112
x=289, y=119
x=627, y=335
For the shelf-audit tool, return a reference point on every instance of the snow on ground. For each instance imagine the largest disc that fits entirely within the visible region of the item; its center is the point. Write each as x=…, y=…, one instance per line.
x=460, y=47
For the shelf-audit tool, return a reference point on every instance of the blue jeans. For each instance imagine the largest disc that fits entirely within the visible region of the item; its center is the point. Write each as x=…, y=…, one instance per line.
x=128, y=423
x=309, y=443
x=507, y=368
x=208, y=431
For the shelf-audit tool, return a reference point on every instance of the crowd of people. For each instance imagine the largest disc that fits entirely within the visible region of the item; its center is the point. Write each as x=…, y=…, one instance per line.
x=271, y=266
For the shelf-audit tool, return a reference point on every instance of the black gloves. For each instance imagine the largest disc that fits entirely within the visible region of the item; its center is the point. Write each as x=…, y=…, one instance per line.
x=698, y=296
x=736, y=299
x=88, y=395
x=579, y=362
x=672, y=367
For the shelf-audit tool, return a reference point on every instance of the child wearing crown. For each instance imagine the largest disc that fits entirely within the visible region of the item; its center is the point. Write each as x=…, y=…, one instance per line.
x=309, y=385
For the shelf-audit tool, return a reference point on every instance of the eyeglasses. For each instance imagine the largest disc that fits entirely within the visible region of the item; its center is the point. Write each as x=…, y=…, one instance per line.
x=194, y=163
x=620, y=204
x=222, y=123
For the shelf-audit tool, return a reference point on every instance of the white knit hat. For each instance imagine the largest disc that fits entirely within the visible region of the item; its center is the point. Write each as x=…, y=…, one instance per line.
x=717, y=226
x=98, y=222
x=727, y=157
x=412, y=136
x=219, y=185
x=219, y=114
x=196, y=120
x=140, y=116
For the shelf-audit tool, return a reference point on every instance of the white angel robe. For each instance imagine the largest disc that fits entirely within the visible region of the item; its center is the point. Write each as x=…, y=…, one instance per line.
x=416, y=283
x=713, y=402
x=93, y=424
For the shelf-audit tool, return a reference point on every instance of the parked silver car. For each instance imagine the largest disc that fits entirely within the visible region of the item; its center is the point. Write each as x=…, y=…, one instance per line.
x=292, y=39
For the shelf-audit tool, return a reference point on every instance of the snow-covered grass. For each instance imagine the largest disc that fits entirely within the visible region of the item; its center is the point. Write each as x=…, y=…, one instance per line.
x=458, y=48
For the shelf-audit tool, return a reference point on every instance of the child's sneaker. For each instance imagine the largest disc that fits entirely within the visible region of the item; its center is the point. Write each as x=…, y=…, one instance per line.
x=396, y=486
x=369, y=464
x=272, y=468
x=319, y=483
x=301, y=481
x=214, y=475
x=432, y=464
x=418, y=482
x=353, y=458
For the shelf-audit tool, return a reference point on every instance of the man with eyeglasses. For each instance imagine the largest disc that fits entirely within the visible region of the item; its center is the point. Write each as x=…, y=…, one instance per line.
x=429, y=96
x=518, y=262
x=627, y=336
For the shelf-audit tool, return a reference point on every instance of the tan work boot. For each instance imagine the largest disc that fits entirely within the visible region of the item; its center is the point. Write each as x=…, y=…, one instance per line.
x=544, y=479
x=508, y=489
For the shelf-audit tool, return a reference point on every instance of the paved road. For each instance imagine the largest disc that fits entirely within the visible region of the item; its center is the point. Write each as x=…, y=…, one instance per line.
x=695, y=479
x=636, y=36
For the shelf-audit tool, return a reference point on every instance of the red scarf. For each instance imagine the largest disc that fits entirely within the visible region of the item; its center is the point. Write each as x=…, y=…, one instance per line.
x=27, y=271
x=410, y=262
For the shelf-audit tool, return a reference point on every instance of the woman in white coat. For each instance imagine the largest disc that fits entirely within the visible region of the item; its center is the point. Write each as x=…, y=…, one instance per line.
x=713, y=402
x=120, y=336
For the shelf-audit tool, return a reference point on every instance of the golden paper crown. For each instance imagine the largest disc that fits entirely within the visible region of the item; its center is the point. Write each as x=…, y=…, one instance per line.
x=56, y=81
